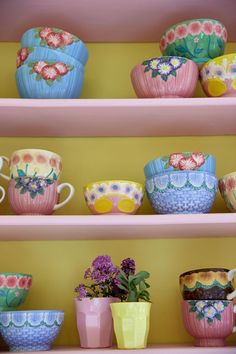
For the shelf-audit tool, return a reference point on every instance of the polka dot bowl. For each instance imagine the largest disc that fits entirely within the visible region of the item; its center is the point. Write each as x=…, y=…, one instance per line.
x=114, y=197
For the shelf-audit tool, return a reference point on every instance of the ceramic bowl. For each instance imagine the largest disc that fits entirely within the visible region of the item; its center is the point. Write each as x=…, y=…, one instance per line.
x=56, y=39
x=26, y=331
x=165, y=77
x=227, y=187
x=205, y=284
x=182, y=192
x=14, y=288
x=113, y=197
x=35, y=54
x=181, y=161
x=208, y=321
x=218, y=76
x=49, y=79
x=199, y=40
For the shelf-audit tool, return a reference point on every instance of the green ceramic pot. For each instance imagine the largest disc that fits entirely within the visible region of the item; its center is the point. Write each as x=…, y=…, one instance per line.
x=14, y=288
x=199, y=40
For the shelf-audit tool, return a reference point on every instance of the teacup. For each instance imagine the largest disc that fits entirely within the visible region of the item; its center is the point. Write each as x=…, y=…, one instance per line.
x=36, y=195
x=32, y=162
x=209, y=321
x=230, y=277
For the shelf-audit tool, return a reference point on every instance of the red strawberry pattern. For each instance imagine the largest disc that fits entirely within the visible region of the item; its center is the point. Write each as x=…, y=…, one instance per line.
x=55, y=37
x=198, y=158
x=187, y=163
x=54, y=40
x=175, y=159
x=45, y=31
x=61, y=68
x=39, y=66
x=49, y=72
x=67, y=38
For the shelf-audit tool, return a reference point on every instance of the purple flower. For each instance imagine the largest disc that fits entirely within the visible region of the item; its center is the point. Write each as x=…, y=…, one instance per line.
x=34, y=186
x=103, y=269
x=81, y=290
x=128, y=266
x=87, y=273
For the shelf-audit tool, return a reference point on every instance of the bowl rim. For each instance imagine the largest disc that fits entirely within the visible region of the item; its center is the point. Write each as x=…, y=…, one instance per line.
x=216, y=59
x=227, y=175
x=53, y=28
x=31, y=311
x=89, y=185
x=213, y=269
x=16, y=273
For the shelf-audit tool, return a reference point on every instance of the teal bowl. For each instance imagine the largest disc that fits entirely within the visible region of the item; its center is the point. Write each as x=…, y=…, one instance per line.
x=49, y=79
x=14, y=288
x=56, y=39
x=199, y=40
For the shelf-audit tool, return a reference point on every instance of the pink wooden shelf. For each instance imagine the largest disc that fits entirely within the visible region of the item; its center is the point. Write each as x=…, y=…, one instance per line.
x=98, y=21
x=118, y=117
x=158, y=349
x=110, y=227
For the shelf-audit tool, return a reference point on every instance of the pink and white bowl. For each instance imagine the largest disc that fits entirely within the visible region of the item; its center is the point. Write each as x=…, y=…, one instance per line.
x=165, y=77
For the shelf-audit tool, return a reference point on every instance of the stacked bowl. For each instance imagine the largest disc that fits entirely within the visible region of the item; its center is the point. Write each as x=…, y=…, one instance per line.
x=185, y=46
x=181, y=183
x=50, y=64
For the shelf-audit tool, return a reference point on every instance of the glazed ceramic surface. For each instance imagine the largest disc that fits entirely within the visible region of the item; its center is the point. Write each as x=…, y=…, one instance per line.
x=49, y=79
x=114, y=197
x=131, y=324
x=230, y=277
x=181, y=161
x=56, y=39
x=14, y=288
x=94, y=322
x=26, y=331
x=165, y=77
x=197, y=39
x=208, y=321
x=36, y=195
x=2, y=190
x=218, y=76
x=33, y=163
x=227, y=187
x=40, y=54
x=205, y=284
x=182, y=192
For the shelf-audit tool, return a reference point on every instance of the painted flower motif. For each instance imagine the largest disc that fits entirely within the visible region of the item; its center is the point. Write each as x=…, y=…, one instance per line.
x=230, y=184
x=22, y=282
x=32, y=185
x=29, y=283
x=164, y=68
x=174, y=159
x=206, y=278
x=210, y=312
x=38, y=66
x=224, y=34
x=175, y=62
x=219, y=306
x=66, y=38
x=114, y=187
x=218, y=71
x=45, y=31
x=207, y=27
x=170, y=36
x=181, y=31
x=53, y=162
x=198, y=158
x=61, y=68
x=128, y=189
x=24, y=52
x=18, y=61
x=163, y=44
x=208, y=309
x=218, y=29
x=49, y=72
x=27, y=158
x=2, y=281
x=222, y=186
x=194, y=28
x=101, y=188
x=11, y=281
x=196, y=40
x=190, y=280
x=153, y=64
x=232, y=69
x=187, y=163
x=205, y=73
x=200, y=305
x=15, y=159
x=54, y=40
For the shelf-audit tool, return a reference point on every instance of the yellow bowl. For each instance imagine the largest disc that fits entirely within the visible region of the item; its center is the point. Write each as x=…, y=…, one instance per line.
x=113, y=197
x=218, y=76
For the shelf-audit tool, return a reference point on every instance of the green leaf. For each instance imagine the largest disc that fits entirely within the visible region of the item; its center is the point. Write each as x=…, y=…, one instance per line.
x=154, y=73
x=62, y=47
x=142, y=286
x=18, y=185
x=147, y=69
x=41, y=191
x=200, y=316
x=167, y=165
x=38, y=77
x=31, y=71
x=49, y=82
x=31, y=64
x=210, y=321
x=21, y=173
x=218, y=316
x=54, y=176
x=23, y=190
x=57, y=30
x=30, y=49
x=49, y=181
x=165, y=158
x=70, y=67
x=180, y=49
x=146, y=62
x=164, y=77
x=122, y=287
x=33, y=194
x=58, y=78
x=173, y=73
x=37, y=35
x=192, y=309
x=43, y=43
x=198, y=50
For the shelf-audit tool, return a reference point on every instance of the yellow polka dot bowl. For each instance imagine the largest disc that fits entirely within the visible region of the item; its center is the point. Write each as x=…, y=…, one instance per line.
x=218, y=76
x=114, y=197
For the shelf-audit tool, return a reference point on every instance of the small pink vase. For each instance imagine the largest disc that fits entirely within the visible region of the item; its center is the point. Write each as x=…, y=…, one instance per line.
x=208, y=321
x=94, y=322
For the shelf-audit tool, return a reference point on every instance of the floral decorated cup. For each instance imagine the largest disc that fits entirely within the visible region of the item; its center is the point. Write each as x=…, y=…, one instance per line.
x=14, y=288
x=32, y=163
x=210, y=322
x=56, y=39
x=30, y=331
x=205, y=284
x=165, y=77
x=199, y=40
x=113, y=197
x=181, y=161
x=49, y=79
x=227, y=187
x=218, y=76
x=182, y=192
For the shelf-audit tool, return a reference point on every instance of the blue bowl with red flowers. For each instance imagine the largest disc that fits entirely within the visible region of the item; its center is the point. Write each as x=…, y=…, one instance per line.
x=56, y=39
x=181, y=161
x=199, y=40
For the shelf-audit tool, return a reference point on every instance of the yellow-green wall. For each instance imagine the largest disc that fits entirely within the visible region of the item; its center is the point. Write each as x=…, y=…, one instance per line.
x=57, y=267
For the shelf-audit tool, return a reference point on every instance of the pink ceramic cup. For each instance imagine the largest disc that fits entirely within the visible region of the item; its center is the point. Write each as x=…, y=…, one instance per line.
x=38, y=196
x=165, y=77
x=209, y=321
x=94, y=322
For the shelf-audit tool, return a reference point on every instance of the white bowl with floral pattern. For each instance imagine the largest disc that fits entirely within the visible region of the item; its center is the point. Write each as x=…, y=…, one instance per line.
x=113, y=197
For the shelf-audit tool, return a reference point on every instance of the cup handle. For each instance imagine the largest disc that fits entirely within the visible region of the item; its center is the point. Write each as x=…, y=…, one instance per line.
x=3, y=194
x=59, y=189
x=234, y=328
x=230, y=277
x=2, y=159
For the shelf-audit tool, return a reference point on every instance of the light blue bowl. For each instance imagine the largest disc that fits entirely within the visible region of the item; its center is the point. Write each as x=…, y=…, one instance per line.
x=45, y=54
x=197, y=161
x=54, y=40
x=26, y=331
x=183, y=192
x=47, y=83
